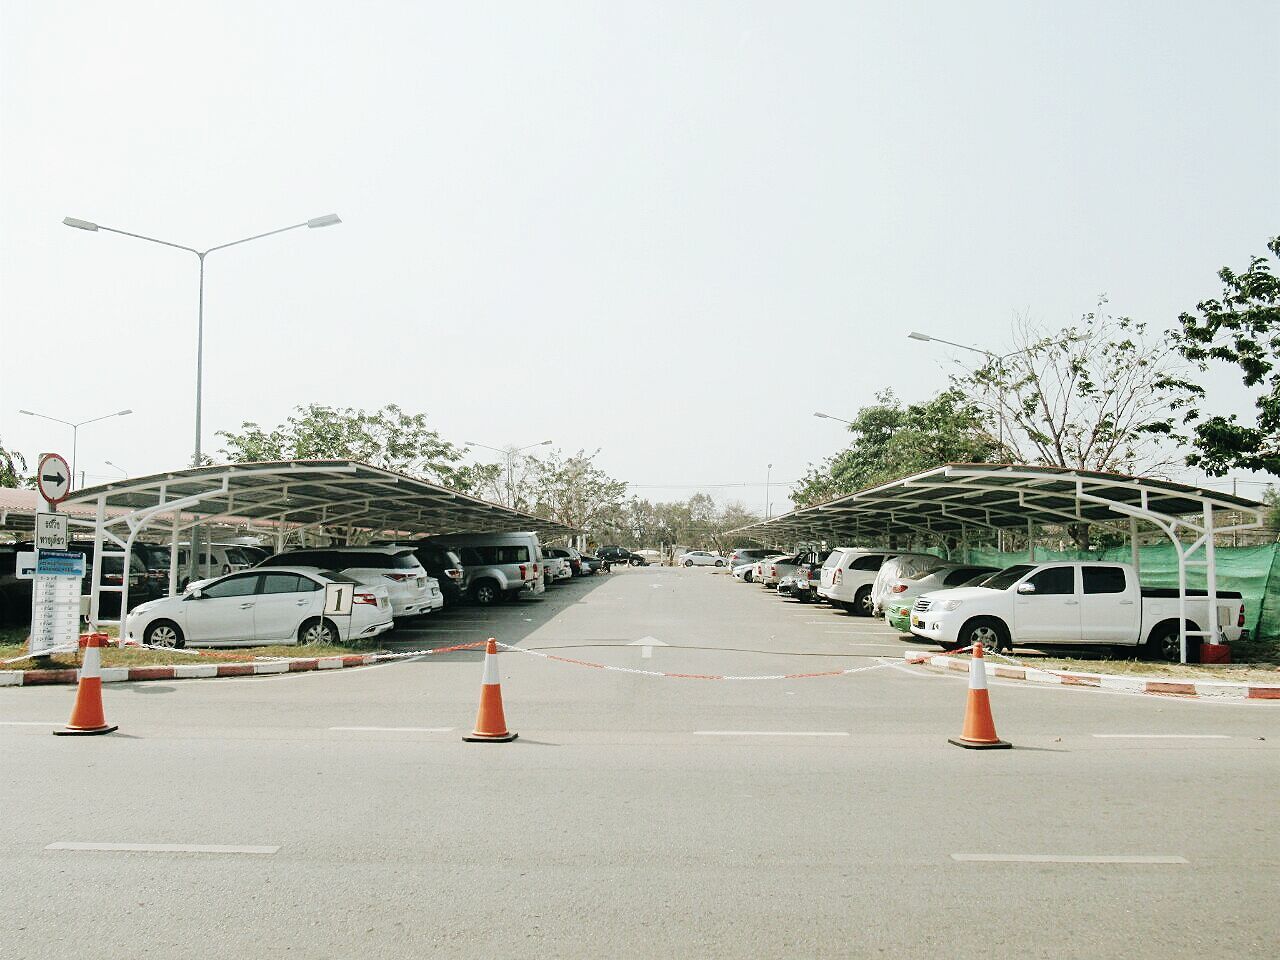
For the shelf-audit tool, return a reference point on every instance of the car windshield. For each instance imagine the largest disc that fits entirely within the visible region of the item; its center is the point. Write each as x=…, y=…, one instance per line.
x=337, y=577
x=927, y=572
x=1007, y=577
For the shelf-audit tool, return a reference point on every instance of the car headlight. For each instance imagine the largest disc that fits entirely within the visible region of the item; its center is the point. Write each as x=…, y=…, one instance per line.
x=951, y=604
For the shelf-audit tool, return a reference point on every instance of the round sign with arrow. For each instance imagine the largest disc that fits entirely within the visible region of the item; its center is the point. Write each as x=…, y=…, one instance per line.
x=53, y=478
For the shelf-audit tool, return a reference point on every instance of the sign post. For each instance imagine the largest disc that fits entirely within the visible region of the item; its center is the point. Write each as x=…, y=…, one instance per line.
x=55, y=597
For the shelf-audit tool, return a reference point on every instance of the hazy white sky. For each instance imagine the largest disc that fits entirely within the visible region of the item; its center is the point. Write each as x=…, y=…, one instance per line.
x=605, y=223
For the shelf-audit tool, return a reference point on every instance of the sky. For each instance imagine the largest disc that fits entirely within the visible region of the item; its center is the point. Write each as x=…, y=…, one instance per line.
x=670, y=232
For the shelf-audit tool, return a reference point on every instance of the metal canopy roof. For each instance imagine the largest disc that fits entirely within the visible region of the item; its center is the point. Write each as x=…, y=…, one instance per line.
x=287, y=496
x=962, y=496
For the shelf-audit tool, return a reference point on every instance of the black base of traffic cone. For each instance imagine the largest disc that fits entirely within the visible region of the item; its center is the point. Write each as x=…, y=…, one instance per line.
x=979, y=745
x=505, y=738
x=68, y=732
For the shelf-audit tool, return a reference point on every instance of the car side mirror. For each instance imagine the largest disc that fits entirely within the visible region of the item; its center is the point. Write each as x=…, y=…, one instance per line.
x=196, y=594
x=1026, y=588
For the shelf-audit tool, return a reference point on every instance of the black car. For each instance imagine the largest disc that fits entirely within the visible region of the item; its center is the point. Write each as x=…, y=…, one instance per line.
x=15, y=594
x=621, y=556
x=446, y=566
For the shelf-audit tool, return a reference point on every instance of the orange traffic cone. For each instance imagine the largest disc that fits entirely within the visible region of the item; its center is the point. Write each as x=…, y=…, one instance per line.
x=979, y=729
x=87, y=717
x=491, y=725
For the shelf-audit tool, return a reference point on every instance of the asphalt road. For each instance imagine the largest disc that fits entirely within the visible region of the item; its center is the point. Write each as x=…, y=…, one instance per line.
x=639, y=816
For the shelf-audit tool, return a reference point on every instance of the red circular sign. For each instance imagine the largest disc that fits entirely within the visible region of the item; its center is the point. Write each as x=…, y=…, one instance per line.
x=53, y=478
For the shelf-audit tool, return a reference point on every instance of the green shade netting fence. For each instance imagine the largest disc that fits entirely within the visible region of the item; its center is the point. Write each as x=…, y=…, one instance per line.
x=1254, y=571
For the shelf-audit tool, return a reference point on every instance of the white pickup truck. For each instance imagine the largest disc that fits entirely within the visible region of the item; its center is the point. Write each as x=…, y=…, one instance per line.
x=1062, y=604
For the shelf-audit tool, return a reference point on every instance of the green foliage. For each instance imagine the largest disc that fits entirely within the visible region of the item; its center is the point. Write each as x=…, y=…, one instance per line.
x=1099, y=395
x=572, y=489
x=696, y=522
x=1243, y=328
x=12, y=463
x=890, y=441
x=1272, y=499
x=388, y=438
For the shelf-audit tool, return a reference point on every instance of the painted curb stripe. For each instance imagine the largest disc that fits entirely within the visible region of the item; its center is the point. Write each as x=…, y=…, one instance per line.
x=1057, y=858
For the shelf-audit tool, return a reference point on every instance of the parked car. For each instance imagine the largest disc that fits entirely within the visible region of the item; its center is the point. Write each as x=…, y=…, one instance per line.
x=554, y=568
x=848, y=575
x=895, y=567
x=1070, y=604
x=141, y=587
x=743, y=555
x=621, y=556
x=591, y=564
x=903, y=592
x=442, y=563
x=498, y=564
x=15, y=591
x=807, y=577
x=775, y=569
x=744, y=572
x=412, y=592
x=700, y=558
x=215, y=559
x=758, y=568
x=265, y=605
x=571, y=558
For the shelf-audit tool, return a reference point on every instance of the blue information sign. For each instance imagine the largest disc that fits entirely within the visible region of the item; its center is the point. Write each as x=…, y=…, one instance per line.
x=59, y=563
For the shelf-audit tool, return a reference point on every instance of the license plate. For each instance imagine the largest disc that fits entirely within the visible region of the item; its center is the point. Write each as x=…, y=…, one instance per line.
x=422, y=582
x=382, y=601
x=917, y=622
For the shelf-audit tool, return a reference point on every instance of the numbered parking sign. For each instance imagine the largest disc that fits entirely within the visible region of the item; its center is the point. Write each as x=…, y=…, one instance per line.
x=337, y=599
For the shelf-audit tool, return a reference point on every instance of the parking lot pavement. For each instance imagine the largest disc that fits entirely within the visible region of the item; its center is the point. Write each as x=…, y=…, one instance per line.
x=639, y=816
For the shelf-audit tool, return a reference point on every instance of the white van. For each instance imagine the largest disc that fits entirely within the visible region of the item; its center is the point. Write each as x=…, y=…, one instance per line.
x=498, y=564
x=847, y=576
x=216, y=559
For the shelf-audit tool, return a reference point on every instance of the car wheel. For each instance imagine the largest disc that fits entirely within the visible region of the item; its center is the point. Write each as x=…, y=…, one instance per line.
x=315, y=632
x=1164, y=644
x=862, y=602
x=688, y=563
x=485, y=593
x=987, y=631
x=801, y=595
x=719, y=563
x=747, y=577
x=164, y=633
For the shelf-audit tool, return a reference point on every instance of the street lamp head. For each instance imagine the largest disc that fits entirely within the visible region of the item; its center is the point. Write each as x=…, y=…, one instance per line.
x=79, y=224
x=124, y=413
x=913, y=335
x=545, y=443
x=328, y=220
x=822, y=416
x=27, y=412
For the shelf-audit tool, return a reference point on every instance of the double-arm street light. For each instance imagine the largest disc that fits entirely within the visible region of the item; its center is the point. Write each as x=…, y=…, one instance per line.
x=75, y=431
x=510, y=453
x=827, y=416
x=328, y=220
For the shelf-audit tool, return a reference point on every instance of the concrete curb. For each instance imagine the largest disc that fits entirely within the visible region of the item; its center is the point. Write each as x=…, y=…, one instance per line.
x=193, y=671
x=1201, y=689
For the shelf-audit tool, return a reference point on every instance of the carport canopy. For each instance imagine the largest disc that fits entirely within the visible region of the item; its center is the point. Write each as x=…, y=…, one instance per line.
x=279, y=500
x=956, y=502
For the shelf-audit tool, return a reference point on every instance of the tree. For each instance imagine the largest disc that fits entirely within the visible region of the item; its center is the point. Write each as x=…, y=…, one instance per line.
x=890, y=440
x=1272, y=499
x=12, y=463
x=1099, y=395
x=1243, y=328
x=388, y=438
x=572, y=490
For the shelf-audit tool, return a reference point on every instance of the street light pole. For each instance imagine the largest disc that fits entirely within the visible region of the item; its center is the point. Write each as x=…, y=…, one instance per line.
x=328, y=220
x=75, y=432
x=768, y=473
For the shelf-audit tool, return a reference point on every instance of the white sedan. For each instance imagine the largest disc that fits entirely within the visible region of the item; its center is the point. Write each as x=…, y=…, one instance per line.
x=275, y=605
x=701, y=558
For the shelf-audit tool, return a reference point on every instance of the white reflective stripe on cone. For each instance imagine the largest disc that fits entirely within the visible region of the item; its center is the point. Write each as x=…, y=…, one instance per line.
x=490, y=669
x=978, y=673
x=92, y=664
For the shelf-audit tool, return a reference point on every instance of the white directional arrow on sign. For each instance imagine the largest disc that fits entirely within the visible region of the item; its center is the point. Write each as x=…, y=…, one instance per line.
x=646, y=645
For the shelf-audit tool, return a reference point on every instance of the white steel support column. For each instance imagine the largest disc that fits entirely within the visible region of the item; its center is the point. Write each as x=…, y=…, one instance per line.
x=1133, y=546
x=1211, y=576
x=95, y=582
x=1031, y=544
x=173, y=554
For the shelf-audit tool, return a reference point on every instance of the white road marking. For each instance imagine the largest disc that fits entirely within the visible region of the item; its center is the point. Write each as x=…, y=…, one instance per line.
x=28, y=723
x=646, y=645
x=397, y=729
x=1162, y=736
x=771, y=733
x=1058, y=858
x=162, y=848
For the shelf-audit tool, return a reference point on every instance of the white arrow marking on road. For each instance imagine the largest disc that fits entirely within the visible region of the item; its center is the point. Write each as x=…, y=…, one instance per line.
x=646, y=645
